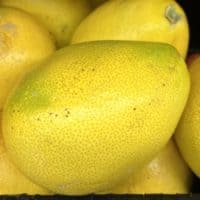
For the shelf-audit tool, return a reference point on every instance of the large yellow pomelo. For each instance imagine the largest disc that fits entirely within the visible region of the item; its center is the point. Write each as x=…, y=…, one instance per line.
x=188, y=131
x=165, y=174
x=143, y=20
x=60, y=17
x=94, y=113
x=23, y=42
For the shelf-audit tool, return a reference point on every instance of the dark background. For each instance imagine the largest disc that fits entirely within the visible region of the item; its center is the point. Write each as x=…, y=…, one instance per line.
x=192, y=10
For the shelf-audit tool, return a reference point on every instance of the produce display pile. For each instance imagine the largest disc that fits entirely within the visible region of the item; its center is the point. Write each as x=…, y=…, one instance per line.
x=97, y=97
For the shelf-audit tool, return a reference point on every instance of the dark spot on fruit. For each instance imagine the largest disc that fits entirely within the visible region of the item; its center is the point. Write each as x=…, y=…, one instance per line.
x=81, y=89
x=38, y=119
x=134, y=109
x=56, y=115
x=67, y=112
x=75, y=77
x=93, y=69
x=50, y=113
x=65, y=28
x=51, y=34
x=163, y=85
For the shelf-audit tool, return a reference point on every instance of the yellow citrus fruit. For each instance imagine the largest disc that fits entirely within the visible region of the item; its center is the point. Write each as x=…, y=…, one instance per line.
x=94, y=113
x=12, y=181
x=188, y=131
x=23, y=42
x=166, y=174
x=144, y=20
x=60, y=17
